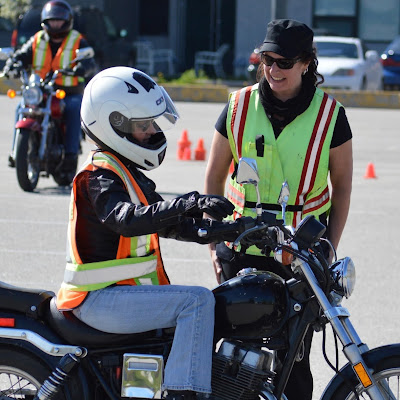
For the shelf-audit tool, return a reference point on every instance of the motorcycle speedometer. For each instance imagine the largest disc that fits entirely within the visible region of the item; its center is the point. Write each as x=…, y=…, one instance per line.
x=32, y=96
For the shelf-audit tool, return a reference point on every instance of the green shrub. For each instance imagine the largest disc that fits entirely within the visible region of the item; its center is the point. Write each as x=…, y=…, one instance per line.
x=187, y=77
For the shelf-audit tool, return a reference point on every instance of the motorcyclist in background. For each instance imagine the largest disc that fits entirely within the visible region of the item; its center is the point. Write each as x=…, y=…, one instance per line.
x=53, y=48
x=115, y=279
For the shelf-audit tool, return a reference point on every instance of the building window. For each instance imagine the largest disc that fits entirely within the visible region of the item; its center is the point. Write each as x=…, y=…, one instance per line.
x=337, y=17
x=379, y=20
x=371, y=20
x=338, y=7
x=153, y=17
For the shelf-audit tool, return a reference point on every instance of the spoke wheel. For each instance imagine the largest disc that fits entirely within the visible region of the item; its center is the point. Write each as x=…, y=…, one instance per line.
x=387, y=380
x=387, y=376
x=17, y=384
x=21, y=375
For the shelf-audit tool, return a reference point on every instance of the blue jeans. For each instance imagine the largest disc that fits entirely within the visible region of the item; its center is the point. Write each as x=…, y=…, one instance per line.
x=72, y=123
x=132, y=309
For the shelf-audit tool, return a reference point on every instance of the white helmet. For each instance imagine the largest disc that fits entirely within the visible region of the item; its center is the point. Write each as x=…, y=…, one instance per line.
x=119, y=96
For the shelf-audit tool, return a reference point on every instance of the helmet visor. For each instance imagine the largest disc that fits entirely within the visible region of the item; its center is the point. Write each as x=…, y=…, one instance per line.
x=155, y=124
x=126, y=126
x=171, y=113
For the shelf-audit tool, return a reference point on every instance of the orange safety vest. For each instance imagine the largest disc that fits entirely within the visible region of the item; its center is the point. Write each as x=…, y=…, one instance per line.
x=67, y=297
x=43, y=61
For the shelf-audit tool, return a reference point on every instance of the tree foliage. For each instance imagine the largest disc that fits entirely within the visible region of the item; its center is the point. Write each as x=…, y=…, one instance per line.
x=11, y=9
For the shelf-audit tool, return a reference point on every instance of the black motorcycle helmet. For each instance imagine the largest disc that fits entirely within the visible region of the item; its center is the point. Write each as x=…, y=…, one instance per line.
x=61, y=10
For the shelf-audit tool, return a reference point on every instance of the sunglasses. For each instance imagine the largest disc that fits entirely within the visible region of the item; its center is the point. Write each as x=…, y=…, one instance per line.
x=282, y=63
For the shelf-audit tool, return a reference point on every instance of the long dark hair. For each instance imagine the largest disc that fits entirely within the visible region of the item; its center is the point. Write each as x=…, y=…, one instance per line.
x=311, y=75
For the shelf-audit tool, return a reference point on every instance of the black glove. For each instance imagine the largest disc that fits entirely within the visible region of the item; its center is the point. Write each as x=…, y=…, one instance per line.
x=171, y=212
x=217, y=207
x=211, y=231
x=8, y=69
x=79, y=70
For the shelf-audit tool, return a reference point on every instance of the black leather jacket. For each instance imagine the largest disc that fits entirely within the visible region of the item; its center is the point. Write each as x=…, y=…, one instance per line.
x=105, y=212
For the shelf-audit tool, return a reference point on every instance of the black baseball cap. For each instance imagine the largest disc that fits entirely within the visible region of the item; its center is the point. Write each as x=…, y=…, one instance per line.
x=288, y=38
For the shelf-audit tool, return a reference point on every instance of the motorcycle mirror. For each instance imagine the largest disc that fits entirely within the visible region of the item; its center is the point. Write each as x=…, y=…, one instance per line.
x=83, y=54
x=6, y=52
x=284, y=198
x=247, y=173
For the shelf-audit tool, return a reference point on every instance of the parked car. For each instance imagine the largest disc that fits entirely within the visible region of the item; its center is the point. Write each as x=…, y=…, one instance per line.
x=390, y=60
x=346, y=63
x=110, y=47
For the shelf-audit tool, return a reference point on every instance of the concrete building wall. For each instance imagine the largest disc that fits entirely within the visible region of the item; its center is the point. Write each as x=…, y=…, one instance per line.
x=300, y=10
x=252, y=17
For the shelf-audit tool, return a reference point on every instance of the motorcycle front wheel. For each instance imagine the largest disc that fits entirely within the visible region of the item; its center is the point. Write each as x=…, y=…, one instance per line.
x=387, y=376
x=27, y=162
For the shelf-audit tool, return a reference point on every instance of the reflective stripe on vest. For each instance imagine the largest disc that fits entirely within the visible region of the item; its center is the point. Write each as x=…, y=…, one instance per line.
x=138, y=260
x=43, y=62
x=305, y=165
x=93, y=276
x=311, y=163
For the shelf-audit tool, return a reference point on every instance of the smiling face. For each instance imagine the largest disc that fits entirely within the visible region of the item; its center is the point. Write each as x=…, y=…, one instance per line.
x=285, y=83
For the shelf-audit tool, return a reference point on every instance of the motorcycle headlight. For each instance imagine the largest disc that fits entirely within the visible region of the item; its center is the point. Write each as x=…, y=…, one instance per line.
x=32, y=96
x=344, y=275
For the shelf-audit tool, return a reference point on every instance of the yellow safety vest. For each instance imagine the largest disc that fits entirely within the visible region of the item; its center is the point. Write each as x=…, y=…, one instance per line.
x=300, y=156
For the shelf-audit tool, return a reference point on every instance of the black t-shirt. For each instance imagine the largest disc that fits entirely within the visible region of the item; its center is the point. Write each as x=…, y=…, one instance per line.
x=341, y=133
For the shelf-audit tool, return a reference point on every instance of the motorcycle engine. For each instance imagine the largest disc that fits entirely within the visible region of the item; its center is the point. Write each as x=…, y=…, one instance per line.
x=239, y=371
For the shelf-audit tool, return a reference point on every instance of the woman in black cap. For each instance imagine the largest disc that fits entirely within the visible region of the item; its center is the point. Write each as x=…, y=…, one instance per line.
x=296, y=133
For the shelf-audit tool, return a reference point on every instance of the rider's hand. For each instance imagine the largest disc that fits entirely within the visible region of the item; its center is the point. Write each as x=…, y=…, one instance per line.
x=9, y=72
x=78, y=70
x=218, y=207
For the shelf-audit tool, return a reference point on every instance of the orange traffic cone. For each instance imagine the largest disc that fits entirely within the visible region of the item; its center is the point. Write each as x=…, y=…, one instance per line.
x=370, y=171
x=187, y=154
x=200, y=151
x=183, y=143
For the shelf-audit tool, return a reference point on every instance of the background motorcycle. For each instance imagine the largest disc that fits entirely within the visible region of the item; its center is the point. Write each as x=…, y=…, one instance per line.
x=257, y=314
x=39, y=135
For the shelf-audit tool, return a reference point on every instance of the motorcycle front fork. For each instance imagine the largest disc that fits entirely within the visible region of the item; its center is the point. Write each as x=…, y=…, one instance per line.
x=353, y=347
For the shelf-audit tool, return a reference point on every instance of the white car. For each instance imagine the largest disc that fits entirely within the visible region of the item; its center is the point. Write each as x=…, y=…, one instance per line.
x=345, y=63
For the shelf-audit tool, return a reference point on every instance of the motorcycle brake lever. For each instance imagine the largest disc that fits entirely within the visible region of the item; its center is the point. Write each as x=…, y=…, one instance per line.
x=246, y=233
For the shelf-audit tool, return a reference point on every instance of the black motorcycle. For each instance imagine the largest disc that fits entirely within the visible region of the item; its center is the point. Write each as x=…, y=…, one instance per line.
x=39, y=134
x=48, y=354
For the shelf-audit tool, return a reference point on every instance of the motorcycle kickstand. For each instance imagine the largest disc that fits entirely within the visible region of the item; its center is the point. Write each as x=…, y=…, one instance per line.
x=56, y=380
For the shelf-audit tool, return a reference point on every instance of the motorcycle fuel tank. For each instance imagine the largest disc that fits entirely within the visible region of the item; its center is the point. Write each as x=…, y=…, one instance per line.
x=249, y=306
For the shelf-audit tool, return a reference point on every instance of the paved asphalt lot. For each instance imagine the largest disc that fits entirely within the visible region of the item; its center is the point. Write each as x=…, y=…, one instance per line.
x=33, y=225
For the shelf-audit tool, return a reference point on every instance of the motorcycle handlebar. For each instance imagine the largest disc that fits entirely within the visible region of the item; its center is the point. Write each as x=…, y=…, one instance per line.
x=216, y=231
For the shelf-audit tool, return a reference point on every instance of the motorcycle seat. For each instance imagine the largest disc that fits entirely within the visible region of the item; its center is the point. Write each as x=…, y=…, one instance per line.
x=31, y=302
x=77, y=333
